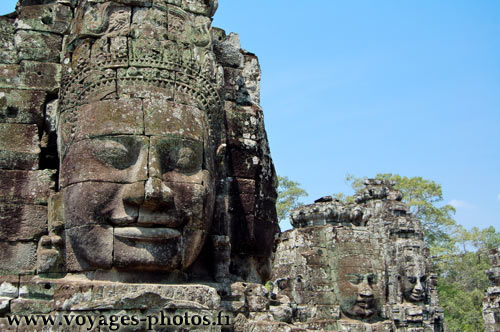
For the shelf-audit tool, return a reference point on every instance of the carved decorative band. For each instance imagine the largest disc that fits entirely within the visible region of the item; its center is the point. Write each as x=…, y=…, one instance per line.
x=85, y=85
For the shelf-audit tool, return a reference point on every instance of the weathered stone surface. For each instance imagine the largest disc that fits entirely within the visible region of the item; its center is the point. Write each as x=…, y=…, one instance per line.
x=50, y=255
x=89, y=248
x=22, y=106
x=22, y=222
x=38, y=46
x=119, y=159
x=491, y=302
x=26, y=187
x=169, y=118
x=30, y=75
x=19, y=146
x=17, y=258
x=228, y=50
x=54, y=18
x=73, y=294
x=109, y=117
x=348, y=265
x=7, y=49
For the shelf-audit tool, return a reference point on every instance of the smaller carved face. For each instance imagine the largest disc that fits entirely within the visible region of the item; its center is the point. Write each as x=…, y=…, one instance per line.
x=359, y=289
x=413, y=284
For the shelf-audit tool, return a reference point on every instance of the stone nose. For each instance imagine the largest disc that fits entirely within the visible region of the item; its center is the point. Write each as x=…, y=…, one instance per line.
x=157, y=194
x=418, y=286
x=365, y=290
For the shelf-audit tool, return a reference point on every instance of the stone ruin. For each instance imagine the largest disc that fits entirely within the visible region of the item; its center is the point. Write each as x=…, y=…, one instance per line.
x=359, y=266
x=136, y=179
x=491, y=303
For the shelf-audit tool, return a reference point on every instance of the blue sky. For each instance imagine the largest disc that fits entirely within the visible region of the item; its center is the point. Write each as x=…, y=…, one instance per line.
x=367, y=87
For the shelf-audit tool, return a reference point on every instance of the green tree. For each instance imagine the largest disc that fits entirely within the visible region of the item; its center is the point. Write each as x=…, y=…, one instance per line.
x=289, y=193
x=462, y=277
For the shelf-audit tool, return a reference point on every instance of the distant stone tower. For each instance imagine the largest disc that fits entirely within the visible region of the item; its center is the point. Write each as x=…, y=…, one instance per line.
x=358, y=266
x=491, y=303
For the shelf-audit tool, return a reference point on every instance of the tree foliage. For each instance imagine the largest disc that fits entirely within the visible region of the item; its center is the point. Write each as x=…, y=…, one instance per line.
x=289, y=193
x=462, y=277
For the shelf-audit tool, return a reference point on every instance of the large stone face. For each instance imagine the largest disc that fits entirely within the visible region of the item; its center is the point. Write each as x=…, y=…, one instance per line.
x=126, y=102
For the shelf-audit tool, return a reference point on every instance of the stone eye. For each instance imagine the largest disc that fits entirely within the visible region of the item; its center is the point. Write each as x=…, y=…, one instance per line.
x=423, y=279
x=412, y=280
x=355, y=279
x=120, y=153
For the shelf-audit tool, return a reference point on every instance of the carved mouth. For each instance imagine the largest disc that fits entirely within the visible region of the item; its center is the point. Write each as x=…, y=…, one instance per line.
x=172, y=219
x=146, y=234
x=417, y=296
x=364, y=305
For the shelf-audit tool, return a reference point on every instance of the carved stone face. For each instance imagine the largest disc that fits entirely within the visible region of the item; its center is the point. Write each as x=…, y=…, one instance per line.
x=359, y=287
x=413, y=283
x=139, y=195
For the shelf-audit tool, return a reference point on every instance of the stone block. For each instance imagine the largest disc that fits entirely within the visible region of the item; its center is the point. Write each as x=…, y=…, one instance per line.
x=22, y=106
x=26, y=187
x=228, y=51
x=107, y=117
x=7, y=50
x=245, y=125
x=282, y=313
x=249, y=92
x=9, y=286
x=17, y=258
x=38, y=46
x=243, y=186
x=149, y=23
x=55, y=18
x=70, y=294
x=244, y=163
x=233, y=80
x=257, y=303
x=6, y=327
x=169, y=118
x=22, y=222
x=19, y=146
x=31, y=75
x=30, y=306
